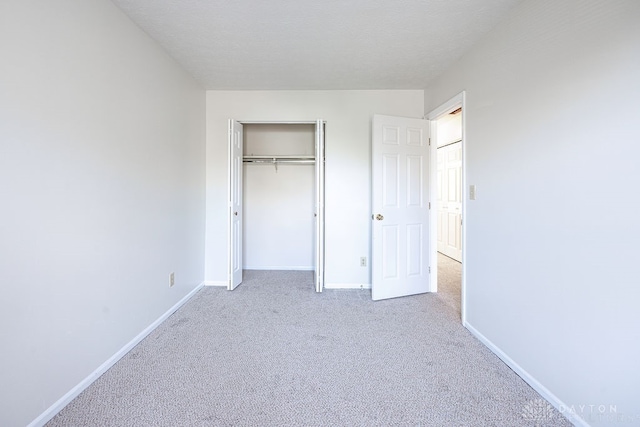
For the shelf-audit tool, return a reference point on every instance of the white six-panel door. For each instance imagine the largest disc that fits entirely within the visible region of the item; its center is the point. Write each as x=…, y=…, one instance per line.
x=400, y=190
x=235, y=204
x=450, y=200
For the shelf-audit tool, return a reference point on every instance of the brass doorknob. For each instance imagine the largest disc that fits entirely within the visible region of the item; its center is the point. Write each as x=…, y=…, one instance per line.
x=379, y=217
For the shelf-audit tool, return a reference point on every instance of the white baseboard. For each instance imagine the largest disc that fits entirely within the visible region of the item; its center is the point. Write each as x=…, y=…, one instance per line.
x=74, y=392
x=215, y=283
x=347, y=285
x=574, y=418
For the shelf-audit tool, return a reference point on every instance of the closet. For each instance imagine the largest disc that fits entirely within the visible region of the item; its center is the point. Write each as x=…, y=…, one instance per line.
x=276, y=198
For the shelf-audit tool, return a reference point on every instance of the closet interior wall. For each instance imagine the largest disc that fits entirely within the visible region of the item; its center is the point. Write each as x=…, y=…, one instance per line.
x=278, y=198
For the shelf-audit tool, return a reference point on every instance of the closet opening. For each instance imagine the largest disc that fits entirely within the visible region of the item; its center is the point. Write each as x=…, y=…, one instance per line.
x=276, y=198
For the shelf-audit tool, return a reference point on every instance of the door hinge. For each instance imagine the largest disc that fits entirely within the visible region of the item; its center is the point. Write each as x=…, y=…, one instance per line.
x=429, y=269
x=429, y=141
x=429, y=205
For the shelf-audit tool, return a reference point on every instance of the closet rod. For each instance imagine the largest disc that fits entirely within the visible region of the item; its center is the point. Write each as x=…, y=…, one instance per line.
x=450, y=143
x=279, y=160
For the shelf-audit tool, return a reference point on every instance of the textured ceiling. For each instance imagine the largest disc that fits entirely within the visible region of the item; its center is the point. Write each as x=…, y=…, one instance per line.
x=304, y=44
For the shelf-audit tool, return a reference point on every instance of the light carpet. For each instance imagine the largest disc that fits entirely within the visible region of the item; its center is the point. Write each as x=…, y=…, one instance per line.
x=449, y=278
x=275, y=353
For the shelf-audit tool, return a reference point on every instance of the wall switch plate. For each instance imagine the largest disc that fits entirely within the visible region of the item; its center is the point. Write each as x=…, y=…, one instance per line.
x=472, y=192
x=363, y=261
x=172, y=279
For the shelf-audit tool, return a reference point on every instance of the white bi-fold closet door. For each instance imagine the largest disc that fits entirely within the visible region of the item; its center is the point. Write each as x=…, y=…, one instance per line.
x=276, y=198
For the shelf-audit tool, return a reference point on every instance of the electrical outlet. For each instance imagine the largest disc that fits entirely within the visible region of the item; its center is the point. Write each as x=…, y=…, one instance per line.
x=363, y=261
x=172, y=279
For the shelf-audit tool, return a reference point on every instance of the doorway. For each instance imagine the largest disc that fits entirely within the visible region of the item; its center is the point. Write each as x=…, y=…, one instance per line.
x=448, y=148
x=449, y=182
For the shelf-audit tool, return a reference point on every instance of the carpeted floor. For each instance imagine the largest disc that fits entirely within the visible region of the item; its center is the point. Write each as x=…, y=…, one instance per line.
x=449, y=277
x=275, y=353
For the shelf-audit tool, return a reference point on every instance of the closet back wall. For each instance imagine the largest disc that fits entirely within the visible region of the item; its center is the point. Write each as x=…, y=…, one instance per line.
x=348, y=167
x=278, y=201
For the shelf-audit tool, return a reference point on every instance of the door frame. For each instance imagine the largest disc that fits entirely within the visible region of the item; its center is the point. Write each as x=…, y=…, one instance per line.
x=458, y=100
x=319, y=227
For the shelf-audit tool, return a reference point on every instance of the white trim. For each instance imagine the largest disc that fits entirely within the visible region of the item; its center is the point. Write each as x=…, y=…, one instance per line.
x=433, y=206
x=215, y=283
x=229, y=283
x=447, y=106
x=347, y=285
x=74, y=392
x=574, y=418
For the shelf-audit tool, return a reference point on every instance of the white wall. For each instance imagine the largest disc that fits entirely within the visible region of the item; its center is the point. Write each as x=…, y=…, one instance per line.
x=102, y=184
x=348, y=116
x=552, y=143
